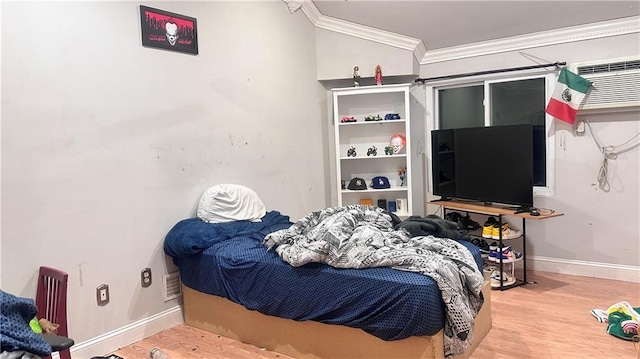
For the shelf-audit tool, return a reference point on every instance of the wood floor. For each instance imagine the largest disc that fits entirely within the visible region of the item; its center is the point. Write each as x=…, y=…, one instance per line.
x=549, y=319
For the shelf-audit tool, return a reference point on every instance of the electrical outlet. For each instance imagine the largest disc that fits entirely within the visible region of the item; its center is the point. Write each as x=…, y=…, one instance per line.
x=145, y=277
x=102, y=294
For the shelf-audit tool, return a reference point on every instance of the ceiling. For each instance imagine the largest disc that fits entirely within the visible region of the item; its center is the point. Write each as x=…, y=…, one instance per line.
x=442, y=24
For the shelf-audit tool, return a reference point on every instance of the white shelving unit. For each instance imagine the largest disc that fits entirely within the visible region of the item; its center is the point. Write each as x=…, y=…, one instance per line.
x=360, y=102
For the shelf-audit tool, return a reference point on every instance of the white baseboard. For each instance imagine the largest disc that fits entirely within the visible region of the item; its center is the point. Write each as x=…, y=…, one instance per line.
x=129, y=334
x=621, y=272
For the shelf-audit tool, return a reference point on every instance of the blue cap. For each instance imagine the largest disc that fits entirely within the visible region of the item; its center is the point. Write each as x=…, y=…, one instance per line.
x=380, y=182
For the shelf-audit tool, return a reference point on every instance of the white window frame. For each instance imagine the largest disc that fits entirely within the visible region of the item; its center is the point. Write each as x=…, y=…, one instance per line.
x=432, y=104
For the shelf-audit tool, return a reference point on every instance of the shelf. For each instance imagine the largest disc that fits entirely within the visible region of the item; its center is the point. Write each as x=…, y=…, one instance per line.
x=359, y=103
x=492, y=210
x=497, y=211
x=518, y=283
x=370, y=122
x=370, y=190
x=497, y=263
x=478, y=233
x=373, y=157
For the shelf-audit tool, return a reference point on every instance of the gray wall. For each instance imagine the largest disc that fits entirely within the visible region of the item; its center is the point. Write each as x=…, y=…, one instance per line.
x=106, y=144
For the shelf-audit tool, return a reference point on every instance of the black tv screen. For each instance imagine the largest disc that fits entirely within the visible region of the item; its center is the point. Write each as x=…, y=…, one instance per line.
x=487, y=164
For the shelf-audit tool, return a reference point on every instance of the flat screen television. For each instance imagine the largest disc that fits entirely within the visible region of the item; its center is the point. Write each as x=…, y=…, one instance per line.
x=486, y=164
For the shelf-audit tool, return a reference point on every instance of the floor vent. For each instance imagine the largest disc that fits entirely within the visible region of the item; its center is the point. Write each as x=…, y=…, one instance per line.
x=171, y=287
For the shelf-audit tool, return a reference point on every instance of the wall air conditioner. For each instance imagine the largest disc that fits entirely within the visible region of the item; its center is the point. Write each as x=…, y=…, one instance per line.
x=616, y=84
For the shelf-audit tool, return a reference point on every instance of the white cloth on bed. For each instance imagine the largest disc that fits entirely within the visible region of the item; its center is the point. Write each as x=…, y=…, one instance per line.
x=230, y=202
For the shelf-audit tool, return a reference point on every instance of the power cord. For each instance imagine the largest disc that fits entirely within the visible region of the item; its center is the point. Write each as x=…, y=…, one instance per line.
x=609, y=152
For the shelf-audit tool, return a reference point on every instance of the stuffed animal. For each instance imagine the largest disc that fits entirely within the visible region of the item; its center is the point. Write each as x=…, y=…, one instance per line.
x=48, y=327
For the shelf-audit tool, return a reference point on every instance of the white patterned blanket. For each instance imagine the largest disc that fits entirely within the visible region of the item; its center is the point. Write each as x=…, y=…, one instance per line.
x=363, y=237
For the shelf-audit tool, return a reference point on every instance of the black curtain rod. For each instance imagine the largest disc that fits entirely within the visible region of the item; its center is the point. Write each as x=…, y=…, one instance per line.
x=555, y=64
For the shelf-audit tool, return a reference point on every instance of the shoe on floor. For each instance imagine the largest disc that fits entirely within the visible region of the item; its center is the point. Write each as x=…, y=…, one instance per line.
x=487, y=270
x=468, y=223
x=482, y=245
x=493, y=251
x=508, y=255
x=456, y=218
x=507, y=232
x=487, y=228
x=506, y=279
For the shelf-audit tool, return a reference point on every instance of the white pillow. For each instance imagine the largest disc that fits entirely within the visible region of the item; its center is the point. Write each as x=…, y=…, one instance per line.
x=230, y=202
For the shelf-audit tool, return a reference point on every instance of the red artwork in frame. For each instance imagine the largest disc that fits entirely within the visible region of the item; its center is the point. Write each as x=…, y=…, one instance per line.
x=166, y=30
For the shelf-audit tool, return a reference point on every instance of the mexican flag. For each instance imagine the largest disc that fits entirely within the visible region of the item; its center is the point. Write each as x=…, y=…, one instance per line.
x=567, y=96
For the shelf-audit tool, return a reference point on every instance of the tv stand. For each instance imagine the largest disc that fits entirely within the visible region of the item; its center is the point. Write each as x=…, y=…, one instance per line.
x=499, y=212
x=443, y=199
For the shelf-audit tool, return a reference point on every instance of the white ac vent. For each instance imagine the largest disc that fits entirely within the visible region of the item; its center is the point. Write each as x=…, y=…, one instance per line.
x=616, y=83
x=171, y=286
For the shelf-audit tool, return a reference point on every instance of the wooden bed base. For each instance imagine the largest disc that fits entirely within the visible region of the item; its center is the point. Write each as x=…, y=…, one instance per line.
x=311, y=339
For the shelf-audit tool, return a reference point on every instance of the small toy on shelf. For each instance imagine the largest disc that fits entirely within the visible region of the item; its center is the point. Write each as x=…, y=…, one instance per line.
x=378, y=72
x=397, y=142
x=351, y=152
x=373, y=118
x=402, y=173
x=388, y=150
x=372, y=151
x=391, y=116
x=348, y=119
x=356, y=76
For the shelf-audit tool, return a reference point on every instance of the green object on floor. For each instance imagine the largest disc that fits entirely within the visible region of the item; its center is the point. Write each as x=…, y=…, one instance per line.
x=614, y=327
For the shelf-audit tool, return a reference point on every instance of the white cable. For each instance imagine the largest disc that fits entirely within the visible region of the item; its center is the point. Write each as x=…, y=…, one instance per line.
x=603, y=183
x=609, y=152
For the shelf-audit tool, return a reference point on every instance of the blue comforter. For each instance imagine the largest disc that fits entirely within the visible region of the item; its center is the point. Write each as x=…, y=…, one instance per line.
x=384, y=302
x=191, y=236
x=15, y=314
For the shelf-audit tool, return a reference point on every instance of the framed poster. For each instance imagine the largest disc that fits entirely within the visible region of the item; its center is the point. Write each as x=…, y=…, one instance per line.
x=166, y=30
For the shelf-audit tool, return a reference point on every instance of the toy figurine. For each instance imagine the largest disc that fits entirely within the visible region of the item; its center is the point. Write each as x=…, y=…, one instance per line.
x=356, y=76
x=402, y=172
x=378, y=73
x=397, y=142
x=388, y=150
x=351, y=152
x=372, y=151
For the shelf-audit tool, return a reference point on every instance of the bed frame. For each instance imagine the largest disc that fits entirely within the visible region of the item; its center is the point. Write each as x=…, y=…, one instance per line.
x=314, y=340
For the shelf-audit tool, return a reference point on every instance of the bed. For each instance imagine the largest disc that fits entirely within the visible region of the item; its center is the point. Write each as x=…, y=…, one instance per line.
x=234, y=286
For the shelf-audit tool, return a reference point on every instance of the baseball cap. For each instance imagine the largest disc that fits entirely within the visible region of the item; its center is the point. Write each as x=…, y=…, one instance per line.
x=357, y=183
x=380, y=182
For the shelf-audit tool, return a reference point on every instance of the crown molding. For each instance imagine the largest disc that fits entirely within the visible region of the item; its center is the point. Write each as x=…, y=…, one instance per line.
x=356, y=30
x=544, y=38
x=515, y=43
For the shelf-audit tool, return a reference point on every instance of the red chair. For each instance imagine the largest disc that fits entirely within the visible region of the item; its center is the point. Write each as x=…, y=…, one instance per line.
x=51, y=301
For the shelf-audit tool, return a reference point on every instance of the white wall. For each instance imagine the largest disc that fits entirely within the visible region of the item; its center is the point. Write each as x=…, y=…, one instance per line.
x=337, y=54
x=106, y=144
x=599, y=228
